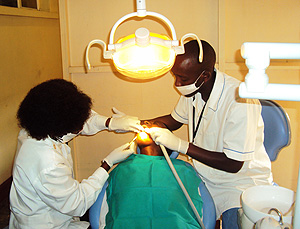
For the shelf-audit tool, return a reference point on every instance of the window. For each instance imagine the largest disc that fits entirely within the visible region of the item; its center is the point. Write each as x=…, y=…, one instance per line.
x=29, y=4
x=11, y=3
x=42, y=5
x=30, y=8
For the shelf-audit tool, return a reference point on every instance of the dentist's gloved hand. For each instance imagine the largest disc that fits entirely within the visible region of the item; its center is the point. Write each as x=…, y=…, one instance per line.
x=119, y=154
x=121, y=122
x=162, y=136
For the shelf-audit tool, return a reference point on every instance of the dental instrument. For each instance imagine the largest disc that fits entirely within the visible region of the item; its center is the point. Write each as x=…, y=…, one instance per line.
x=144, y=135
x=182, y=186
x=132, y=140
x=130, y=143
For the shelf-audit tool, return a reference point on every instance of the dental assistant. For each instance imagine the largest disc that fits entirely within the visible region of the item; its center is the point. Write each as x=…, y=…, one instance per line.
x=225, y=131
x=44, y=193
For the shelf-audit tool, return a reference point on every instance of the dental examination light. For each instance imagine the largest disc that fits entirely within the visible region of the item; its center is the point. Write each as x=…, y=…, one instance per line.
x=143, y=55
x=257, y=85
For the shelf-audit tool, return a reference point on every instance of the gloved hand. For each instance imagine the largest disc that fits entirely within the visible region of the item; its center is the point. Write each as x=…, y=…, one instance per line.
x=119, y=154
x=121, y=122
x=162, y=136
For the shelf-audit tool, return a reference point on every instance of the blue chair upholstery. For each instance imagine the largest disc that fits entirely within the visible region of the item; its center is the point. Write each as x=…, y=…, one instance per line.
x=277, y=128
x=94, y=211
x=209, y=210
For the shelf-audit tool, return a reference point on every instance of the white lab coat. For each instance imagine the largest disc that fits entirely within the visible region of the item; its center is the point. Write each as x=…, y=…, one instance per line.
x=44, y=193
x=232, y=126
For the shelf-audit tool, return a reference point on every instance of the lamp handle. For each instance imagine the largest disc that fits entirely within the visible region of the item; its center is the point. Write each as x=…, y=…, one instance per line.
x=180, y=48
x=106, y=54
x=135, y=14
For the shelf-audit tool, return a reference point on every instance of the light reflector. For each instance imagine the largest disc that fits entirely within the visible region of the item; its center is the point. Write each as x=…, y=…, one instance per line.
x=144, y=61
x=143, y=55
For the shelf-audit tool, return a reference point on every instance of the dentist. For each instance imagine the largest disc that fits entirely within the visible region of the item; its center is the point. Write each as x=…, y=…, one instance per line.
x=225, y=131
x=44, y=193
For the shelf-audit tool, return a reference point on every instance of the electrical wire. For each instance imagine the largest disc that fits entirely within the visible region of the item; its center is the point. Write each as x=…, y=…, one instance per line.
x=182, y=186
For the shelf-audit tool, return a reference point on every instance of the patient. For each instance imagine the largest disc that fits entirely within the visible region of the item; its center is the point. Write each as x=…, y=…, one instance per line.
x=143, y=192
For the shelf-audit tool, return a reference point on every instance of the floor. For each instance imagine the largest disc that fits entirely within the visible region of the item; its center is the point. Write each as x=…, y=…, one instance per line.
x=4, y=213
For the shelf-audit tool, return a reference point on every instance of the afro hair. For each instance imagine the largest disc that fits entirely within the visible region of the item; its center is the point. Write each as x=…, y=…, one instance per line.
x=54, y=108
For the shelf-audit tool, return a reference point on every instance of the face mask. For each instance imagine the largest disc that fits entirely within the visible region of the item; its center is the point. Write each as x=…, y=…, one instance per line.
x=66, y=138
x=189, y=89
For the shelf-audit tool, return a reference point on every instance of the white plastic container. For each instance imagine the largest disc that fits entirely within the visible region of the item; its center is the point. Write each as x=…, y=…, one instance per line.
x=258, y=200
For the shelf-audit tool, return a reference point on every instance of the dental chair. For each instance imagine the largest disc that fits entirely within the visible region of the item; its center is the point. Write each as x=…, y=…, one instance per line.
x=209, y=210
x=277, y=135
x=277, y=128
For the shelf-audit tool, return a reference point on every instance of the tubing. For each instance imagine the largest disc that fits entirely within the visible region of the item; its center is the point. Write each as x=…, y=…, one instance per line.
x=182, y=186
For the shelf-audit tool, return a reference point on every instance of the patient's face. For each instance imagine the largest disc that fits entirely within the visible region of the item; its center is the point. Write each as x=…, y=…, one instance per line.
x=143, y=138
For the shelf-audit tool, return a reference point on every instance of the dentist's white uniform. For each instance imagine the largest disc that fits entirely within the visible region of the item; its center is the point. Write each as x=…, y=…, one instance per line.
x=233, y=126
x=44, y=193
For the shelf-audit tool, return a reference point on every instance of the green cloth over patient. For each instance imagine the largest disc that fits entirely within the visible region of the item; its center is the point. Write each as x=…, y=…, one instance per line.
x=143, y=193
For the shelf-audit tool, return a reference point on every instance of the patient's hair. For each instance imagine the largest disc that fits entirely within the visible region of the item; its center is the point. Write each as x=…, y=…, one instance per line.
x=54, y=108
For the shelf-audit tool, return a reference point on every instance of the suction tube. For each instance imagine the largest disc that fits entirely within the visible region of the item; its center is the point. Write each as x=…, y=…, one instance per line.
x=182, y=186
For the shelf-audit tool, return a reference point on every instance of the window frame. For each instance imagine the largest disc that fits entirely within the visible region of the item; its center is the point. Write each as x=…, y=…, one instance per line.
x=30, y=12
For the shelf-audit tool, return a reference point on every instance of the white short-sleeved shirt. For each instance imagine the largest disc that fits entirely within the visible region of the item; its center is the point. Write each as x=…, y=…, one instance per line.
x=44, y=193
x=231, y=125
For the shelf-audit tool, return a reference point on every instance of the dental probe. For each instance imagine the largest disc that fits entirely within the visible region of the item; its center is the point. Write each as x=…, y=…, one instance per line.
x=182, y=186
x=130, y=143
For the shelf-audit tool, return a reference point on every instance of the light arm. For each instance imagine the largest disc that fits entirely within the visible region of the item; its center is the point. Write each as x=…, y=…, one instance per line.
x=257, y=56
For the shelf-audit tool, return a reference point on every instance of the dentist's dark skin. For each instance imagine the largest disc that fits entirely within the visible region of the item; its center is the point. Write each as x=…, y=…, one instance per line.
x=186, y=72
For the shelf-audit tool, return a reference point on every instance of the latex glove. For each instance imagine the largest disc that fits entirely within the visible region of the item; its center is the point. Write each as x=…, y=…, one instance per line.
x=162, y=136
x=120, y=154
x=121, y=122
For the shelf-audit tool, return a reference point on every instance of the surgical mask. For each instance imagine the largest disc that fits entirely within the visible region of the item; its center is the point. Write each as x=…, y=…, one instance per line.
x=66, y=138
x=189, y=89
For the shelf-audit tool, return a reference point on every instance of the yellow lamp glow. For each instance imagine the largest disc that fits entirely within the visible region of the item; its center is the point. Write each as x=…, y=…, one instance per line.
x=151, y=58
x=143, y=55
x=143, y=136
